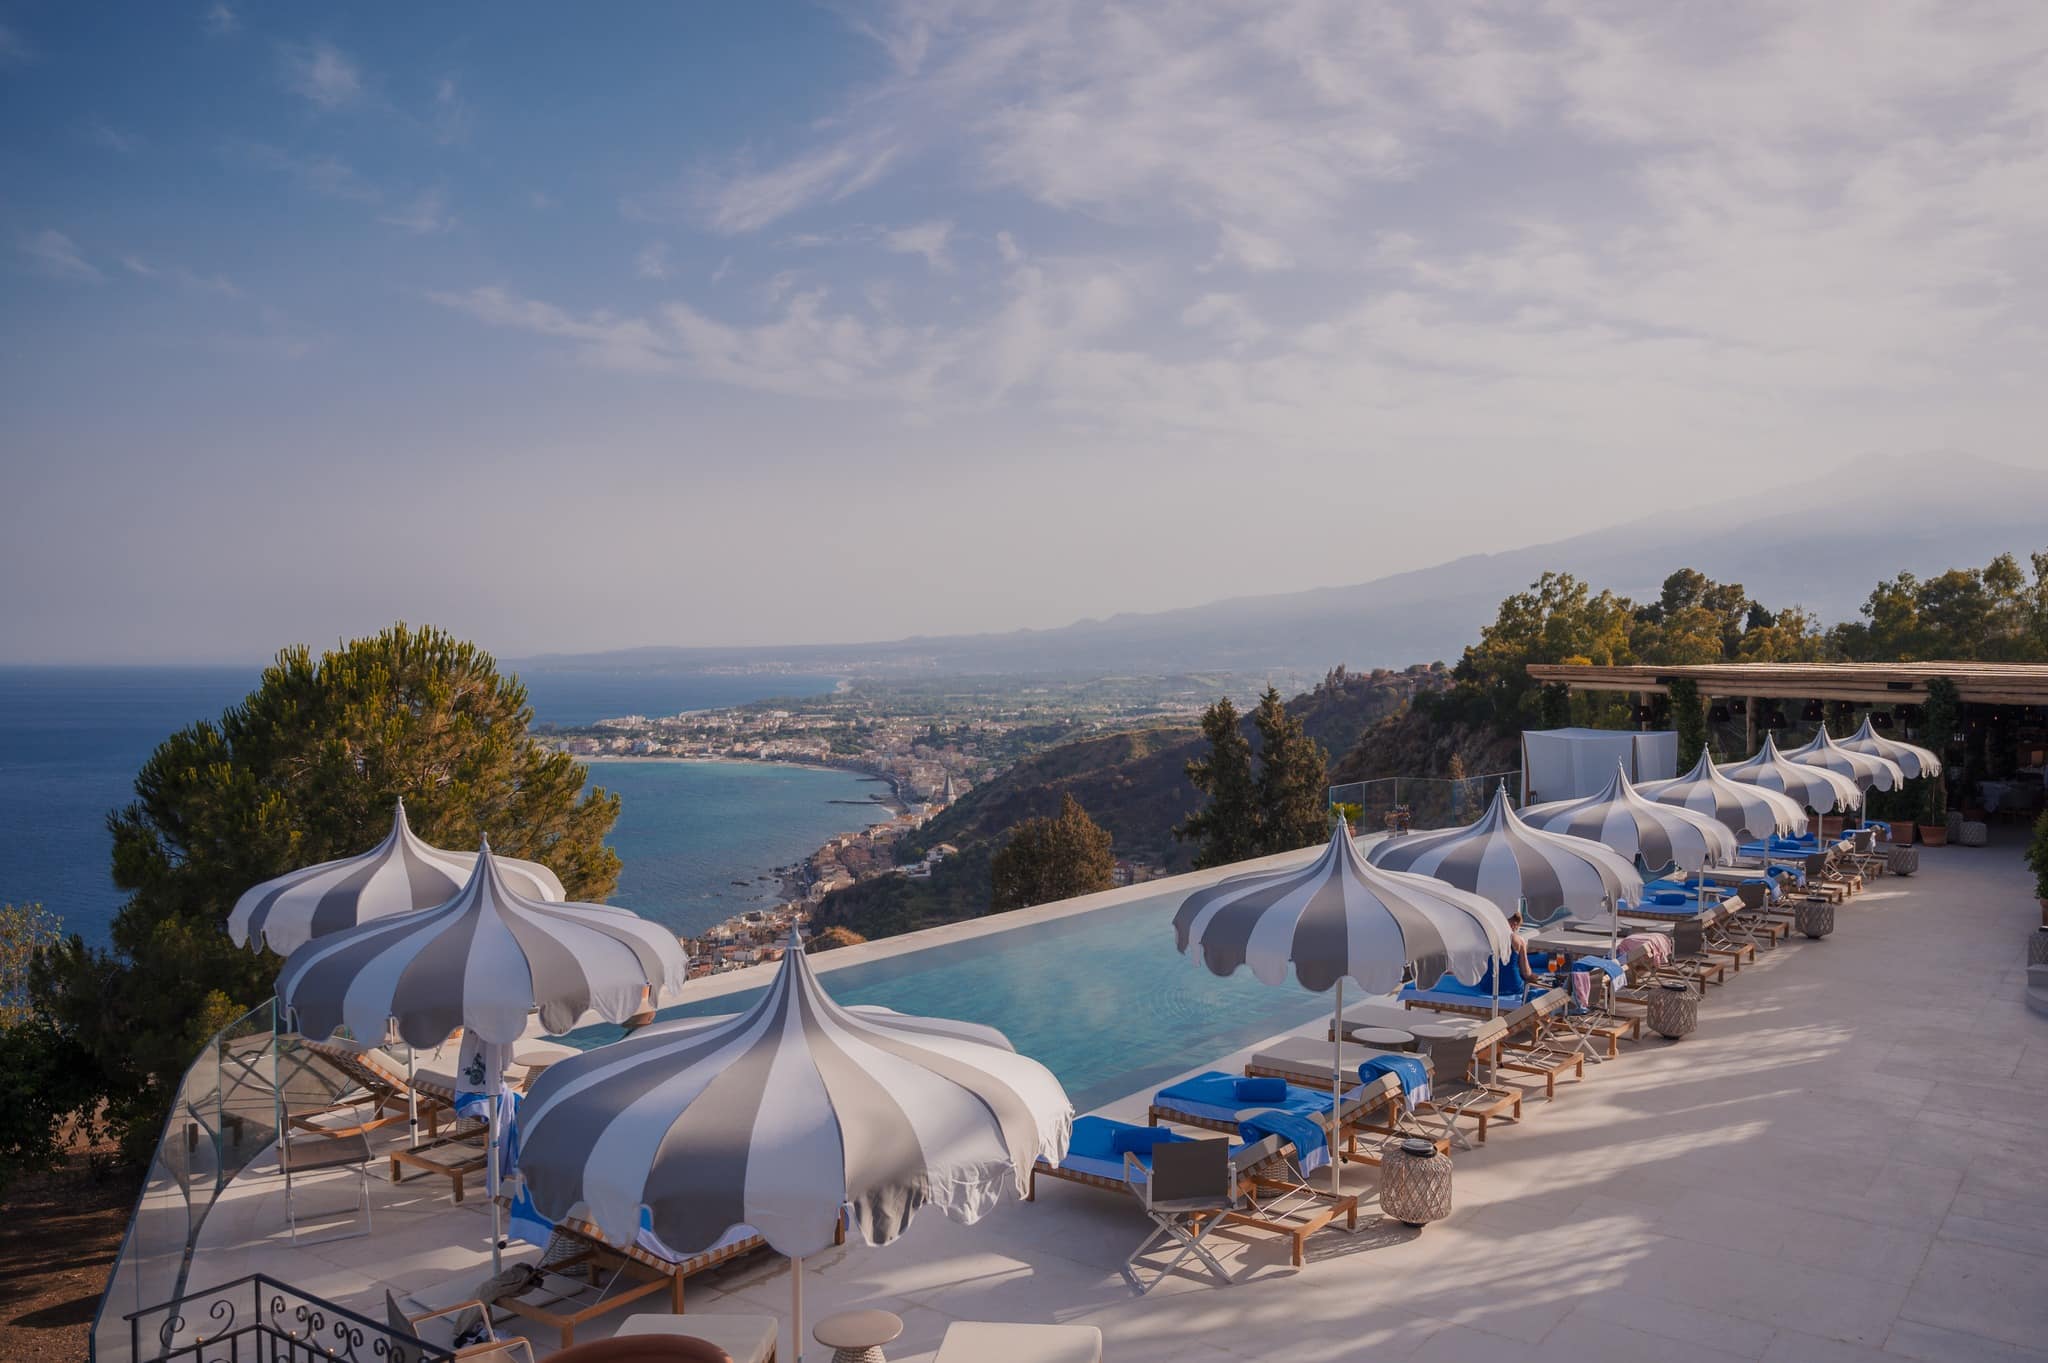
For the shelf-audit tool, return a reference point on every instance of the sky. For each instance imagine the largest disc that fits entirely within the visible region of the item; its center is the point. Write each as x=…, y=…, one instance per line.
x=699, y=324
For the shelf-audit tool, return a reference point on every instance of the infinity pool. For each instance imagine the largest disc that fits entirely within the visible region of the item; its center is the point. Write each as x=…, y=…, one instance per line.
x=1100, y=998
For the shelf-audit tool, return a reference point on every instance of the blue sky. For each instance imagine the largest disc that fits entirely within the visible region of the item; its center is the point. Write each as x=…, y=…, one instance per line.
x=744, y=324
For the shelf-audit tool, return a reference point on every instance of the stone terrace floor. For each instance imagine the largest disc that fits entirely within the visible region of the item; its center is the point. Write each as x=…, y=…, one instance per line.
x=1848, y=1163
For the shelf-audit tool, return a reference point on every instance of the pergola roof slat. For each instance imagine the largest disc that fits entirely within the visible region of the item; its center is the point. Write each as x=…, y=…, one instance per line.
x=1870, y=683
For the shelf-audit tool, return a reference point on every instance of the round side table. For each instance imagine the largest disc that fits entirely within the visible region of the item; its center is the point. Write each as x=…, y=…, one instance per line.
x=1674, y=1010
x=1415, y=1183
x=858, y=1336
x=1384, y=1038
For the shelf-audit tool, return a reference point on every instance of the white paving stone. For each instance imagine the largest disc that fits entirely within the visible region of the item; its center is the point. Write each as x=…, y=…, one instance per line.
x=1844, y=1164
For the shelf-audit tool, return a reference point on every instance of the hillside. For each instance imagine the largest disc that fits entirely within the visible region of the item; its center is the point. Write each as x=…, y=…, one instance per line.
x=1819, y=543
x=1134, y=783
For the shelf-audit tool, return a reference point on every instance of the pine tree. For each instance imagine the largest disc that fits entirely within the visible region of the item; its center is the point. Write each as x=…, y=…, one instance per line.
x=306, y=769
x=1049, y=859
x=1227, y=828
x=1293, y=784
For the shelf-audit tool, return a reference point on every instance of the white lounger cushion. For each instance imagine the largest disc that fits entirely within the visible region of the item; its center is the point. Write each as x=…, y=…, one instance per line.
x=1306, y=1059
x=973, y=1341
x=1379, y=1013
x=749, y=1339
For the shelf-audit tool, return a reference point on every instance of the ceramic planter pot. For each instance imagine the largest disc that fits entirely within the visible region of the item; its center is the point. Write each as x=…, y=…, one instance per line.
x=1934, y=834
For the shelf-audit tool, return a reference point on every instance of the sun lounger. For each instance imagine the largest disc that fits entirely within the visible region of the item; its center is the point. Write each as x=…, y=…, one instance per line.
x=973, y=1341
x=621, y=1276
x=1209, y=1101
x=1395, y=1014
x=1267, y=1186
x=1305, y=1060
x=384, y=1086
x=438, y=1329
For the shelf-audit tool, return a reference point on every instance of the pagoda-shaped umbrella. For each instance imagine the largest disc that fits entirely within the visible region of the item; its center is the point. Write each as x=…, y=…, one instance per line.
x=1865, y=769
x=784, y=1119
x=1912, y=759
x=1519, y=867
x=1342, y=918
x=484, y=961
x=1748, y=811
x=1815, y=788
x=1620, y=817
x=398, y=875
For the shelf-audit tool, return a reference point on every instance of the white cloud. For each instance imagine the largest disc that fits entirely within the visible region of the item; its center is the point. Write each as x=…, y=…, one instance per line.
x=425, y=213
x=926, y=239
x=322, y=74
x=183, y=275
x=220, y=20
x=113, y=139
x=652, y=261
x=453, y=119
x=323, y=175
x=52, y=253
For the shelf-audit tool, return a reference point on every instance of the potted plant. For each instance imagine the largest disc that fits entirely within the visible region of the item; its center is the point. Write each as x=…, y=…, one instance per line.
x=1934, y=812
x=2037, y=858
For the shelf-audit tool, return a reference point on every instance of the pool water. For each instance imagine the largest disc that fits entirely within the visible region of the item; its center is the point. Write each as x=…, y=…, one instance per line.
x=1102, y=999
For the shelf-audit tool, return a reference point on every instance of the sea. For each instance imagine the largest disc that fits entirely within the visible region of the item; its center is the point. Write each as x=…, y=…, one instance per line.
x=697, y=839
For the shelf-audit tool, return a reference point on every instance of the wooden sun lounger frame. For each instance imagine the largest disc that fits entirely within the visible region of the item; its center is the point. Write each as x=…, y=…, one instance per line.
x=590, y=1251
x=1537, y=1056
x=1351, y=1121
x=386, y=1089
x=1251, y=1183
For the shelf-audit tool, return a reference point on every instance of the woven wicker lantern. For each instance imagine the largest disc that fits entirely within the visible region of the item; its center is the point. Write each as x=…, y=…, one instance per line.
x=1415, y=1183
x=1674, y=1011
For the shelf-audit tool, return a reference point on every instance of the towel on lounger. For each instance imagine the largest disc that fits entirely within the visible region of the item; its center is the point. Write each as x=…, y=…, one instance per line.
x=1409, y=1070
x=1305, y=1135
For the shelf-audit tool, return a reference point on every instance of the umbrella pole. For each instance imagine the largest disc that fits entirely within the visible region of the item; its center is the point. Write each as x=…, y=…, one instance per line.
x=796, y=1306
x=497, y=1208
x=1336, y=1079
x=412, y=1100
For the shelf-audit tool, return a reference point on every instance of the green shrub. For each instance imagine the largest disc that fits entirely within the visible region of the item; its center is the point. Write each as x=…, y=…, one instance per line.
x=2037, y=856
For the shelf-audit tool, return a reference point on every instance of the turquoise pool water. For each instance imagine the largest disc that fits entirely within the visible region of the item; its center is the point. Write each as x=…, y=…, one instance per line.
x=1102, y=998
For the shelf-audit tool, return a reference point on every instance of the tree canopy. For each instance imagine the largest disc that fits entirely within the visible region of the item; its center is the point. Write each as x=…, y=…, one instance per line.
x=1988, y=614
x=1293, y=784
x=1226, y=829
x=306, y=769
x=1048, y=859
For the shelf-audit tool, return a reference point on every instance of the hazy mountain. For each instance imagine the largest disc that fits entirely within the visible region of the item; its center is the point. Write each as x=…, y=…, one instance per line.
x=1820, y=544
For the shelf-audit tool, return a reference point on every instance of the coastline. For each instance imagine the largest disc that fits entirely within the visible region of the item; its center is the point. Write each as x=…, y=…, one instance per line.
x=788, y=878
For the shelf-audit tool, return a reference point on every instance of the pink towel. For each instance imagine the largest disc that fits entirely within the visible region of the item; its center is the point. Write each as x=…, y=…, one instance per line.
x=1582, y=988
x=1655, y=945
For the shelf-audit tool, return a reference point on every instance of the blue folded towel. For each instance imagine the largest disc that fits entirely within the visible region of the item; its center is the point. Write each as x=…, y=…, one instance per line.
x=1670, y=898
x=1304, y=1134
x=1214, y=1088
x=1409, y=1070
x=1140, y=1139
x=1615, y=969
x=1265, y=1089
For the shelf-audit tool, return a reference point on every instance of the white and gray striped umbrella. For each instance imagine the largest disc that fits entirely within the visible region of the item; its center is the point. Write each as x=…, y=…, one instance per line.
x=398, y=875
x=1342, y=918
x=1912, y=759
x=1748, y=811
x=786, y=1117
x=1516, y=866
x=1815, y=788
x=483, y=961
x=1623, y=819
x=1863, y=768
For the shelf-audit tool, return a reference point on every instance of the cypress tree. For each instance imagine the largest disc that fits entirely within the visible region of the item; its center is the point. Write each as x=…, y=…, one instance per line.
x=1227, y=828
x=1293, y=786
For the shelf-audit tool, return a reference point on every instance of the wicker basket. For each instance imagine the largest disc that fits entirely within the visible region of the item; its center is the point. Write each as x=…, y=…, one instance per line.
x=1973, y=834
x=2037, y=947
x=1815, y=918
x=1674, y=1010
x=1902, y=861
x=1415, y=1183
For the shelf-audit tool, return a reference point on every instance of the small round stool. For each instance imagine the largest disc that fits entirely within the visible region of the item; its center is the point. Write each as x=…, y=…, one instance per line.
x=1384, y=1038
x=1814, y=918
x=1415, y=1183
x=1973, y=834
x=1674, y=1010
x=1902, y=861
x=858, y=1336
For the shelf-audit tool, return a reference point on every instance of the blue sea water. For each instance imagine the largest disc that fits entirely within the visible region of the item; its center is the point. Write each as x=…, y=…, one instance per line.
x=71, y=740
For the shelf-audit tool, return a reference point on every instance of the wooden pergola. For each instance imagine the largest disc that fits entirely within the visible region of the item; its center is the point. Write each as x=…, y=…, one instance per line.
x=1861, y=683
